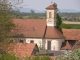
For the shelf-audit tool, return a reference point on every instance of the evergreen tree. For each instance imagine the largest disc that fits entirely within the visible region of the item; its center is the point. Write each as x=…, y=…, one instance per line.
x=58, y=22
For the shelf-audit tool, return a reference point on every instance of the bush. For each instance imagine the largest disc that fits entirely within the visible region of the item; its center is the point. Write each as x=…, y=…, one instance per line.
x=8, y=57
x=38, y=58
x=75, y=55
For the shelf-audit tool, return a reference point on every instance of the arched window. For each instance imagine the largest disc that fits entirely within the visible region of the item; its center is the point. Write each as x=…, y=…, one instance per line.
x=49, y=14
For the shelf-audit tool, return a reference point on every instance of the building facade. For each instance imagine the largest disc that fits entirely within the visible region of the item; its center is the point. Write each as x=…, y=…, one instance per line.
x=42, y=32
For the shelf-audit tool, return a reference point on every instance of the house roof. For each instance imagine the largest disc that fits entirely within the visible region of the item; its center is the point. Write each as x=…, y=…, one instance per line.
x=52, y=6
x=21, y=49
x=77, y=45
x=66, y=45
x=36, y=28
x=71, y=34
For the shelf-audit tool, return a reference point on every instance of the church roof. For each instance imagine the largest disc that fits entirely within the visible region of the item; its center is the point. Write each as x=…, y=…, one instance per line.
x=53, y=32
x=35, y=28
x=52, y=6
x=71, y=34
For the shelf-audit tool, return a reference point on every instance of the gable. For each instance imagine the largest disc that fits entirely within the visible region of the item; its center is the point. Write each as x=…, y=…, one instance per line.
x=66, y=46
x=24, y=49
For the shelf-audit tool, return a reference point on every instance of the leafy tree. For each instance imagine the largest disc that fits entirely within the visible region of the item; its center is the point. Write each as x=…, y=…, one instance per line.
x=58, y=22
x=6, y=23
x=5, y=20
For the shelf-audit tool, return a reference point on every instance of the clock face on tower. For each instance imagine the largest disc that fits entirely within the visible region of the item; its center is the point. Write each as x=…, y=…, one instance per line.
x=49, y=21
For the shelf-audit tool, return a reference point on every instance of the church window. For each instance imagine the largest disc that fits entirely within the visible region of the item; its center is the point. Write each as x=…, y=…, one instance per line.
x=49, y=14
x=31, y=41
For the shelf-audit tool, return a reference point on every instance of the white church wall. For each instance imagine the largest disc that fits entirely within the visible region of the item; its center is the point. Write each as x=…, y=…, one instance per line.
x=52, y=19
x=42, y=43
x=55, y=44
x=37, y=41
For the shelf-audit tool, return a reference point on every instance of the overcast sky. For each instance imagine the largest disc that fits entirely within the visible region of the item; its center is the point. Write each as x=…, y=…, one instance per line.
x=62, y=4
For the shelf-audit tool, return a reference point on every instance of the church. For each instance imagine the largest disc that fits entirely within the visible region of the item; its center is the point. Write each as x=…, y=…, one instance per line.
x=43, y=32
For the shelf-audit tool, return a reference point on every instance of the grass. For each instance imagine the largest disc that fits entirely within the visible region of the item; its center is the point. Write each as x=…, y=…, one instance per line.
x=70, y=26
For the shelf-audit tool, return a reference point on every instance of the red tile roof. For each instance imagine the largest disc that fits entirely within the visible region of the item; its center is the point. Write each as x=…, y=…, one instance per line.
x=31, y=27
x=66, y=45
x=77, y=45
x=36, y=28
x=54, y=33
x=52, y=6
x=23, y=50
x=71, y=34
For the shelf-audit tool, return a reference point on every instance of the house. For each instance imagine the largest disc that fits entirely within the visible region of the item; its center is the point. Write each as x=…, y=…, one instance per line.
x=66, y=46
x=43, y=32
x=72, y=37
x=23, y=50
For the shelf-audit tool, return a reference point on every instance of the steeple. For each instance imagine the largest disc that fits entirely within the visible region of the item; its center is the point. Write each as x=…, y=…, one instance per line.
x=51, y=14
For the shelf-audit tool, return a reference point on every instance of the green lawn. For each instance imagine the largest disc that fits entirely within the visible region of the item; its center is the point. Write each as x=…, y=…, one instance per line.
x=70, y=26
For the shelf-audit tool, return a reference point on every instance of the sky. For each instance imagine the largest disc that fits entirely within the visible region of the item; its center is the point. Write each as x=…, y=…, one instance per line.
x=42, y=4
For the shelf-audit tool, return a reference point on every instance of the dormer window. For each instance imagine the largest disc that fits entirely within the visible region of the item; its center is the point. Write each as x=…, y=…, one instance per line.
x=49, y=14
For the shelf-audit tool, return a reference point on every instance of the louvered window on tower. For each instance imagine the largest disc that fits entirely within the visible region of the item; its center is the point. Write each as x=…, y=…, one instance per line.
x=49, y=14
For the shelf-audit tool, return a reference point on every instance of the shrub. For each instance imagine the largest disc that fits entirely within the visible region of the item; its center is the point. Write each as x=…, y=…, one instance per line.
x=8, y=57
x=75, y=55
x=38, y=58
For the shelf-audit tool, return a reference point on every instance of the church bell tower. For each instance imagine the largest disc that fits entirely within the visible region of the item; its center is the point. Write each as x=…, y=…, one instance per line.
x=51, y=14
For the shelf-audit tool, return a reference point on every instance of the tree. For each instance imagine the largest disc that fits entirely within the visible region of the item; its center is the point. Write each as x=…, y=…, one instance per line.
x=58, y=22
x=5, y=20
x=32, y=11
x=6, y=23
